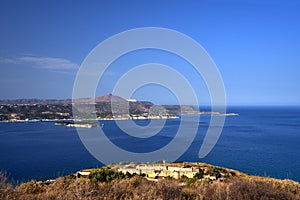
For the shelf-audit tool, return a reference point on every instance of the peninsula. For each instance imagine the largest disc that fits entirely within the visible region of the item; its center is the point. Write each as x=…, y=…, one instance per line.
x=51, y=109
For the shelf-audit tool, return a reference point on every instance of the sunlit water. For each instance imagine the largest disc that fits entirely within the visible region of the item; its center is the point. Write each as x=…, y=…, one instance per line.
x=260, y=141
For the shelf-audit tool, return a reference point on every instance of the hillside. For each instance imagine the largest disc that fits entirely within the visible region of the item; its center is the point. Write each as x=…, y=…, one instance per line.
x=102, y=99
x=109, y=183
x=22, y=109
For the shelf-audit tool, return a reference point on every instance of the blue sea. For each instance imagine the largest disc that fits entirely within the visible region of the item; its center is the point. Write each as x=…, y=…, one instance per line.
x=260, y=141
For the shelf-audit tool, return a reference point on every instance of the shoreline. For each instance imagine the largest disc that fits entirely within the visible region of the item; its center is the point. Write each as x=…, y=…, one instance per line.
x=173, y=116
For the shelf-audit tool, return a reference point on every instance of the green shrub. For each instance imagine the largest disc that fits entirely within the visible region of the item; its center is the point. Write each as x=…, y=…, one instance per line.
x=199, y=175
x=232, y=173
x=106, y=175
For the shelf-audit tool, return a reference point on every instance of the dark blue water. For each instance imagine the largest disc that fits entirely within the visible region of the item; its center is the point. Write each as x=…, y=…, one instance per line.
x=260, y=141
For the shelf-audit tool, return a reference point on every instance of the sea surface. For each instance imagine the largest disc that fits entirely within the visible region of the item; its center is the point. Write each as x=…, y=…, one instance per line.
x=260, y=141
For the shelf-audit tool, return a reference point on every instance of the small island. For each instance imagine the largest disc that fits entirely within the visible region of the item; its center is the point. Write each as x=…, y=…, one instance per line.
x=78, y=124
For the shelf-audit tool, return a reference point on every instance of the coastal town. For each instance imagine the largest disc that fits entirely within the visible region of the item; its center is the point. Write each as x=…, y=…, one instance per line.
x=100, y=107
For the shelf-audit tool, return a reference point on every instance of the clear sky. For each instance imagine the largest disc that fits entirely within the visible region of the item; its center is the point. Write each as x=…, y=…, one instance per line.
x=255, y=44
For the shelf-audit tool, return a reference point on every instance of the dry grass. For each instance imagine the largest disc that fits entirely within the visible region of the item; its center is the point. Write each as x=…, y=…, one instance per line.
x=65, y=188
x=6, y=189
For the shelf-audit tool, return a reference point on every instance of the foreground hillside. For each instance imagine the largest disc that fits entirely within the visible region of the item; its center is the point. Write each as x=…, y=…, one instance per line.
x=108, y=183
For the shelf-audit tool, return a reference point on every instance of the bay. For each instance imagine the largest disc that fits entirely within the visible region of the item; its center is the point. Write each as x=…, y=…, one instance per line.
x=260, y=141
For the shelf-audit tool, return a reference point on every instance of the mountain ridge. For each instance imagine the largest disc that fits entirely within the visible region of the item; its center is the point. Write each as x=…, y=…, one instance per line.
x=100, y=99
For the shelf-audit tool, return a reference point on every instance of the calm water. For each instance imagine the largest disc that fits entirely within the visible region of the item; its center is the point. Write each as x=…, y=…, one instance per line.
x=260, y=141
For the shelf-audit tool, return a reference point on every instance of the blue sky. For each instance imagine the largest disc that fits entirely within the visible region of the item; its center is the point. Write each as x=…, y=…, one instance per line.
x=255, y=44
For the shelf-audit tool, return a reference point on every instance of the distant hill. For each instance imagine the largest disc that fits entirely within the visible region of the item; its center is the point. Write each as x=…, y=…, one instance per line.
x=35, y=101
x=102, y=99
x=22, y=109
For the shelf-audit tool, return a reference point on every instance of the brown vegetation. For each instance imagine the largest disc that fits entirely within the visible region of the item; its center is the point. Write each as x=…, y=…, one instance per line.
x=137, y=187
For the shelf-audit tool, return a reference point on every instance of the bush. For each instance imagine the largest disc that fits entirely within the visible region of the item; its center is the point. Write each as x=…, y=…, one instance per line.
x=199, y=175
x=6, y=189
x=258, y=189
x=137, y=187
x=105, y=175
x=214, y=172
x=232, y=173
x=31, y=187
